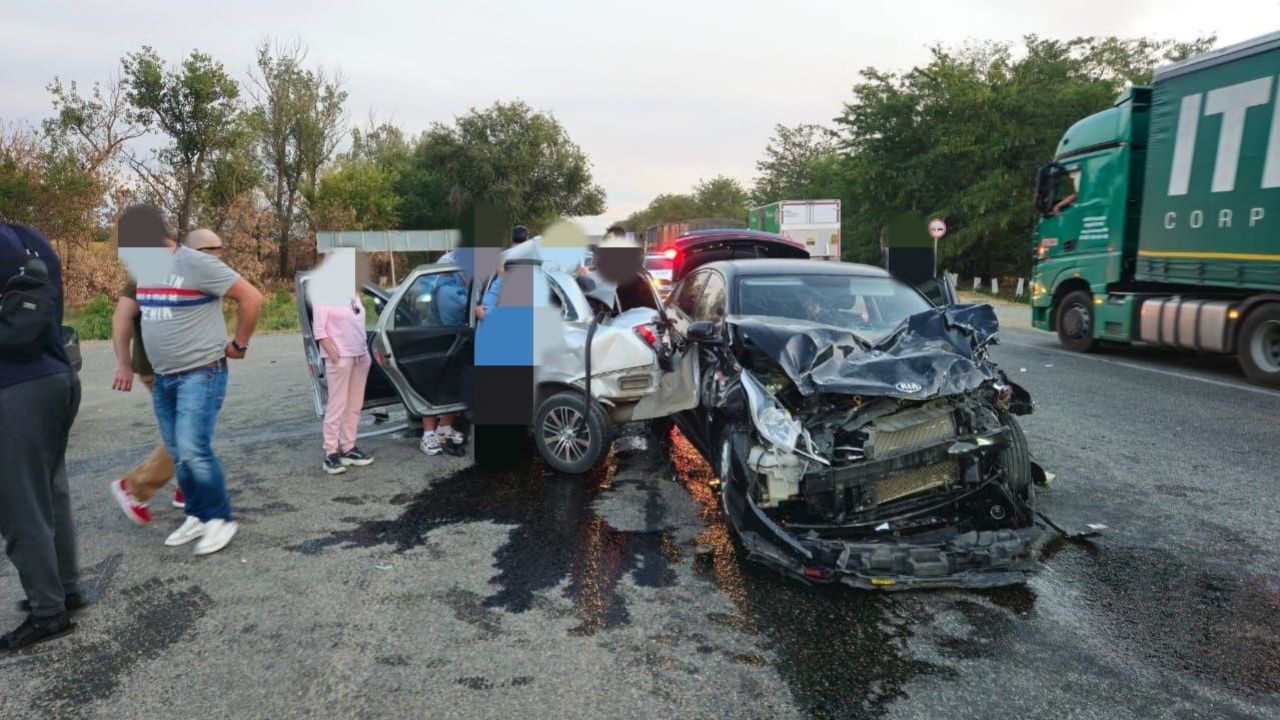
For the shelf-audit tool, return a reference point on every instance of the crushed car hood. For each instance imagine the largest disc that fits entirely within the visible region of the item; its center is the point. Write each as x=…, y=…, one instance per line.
x=935, y=353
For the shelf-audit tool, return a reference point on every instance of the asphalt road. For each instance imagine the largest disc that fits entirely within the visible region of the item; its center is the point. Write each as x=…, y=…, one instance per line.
x=420, y=587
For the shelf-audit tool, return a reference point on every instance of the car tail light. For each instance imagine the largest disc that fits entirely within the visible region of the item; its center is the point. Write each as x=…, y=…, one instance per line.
x=648, y=335
x=671, y=253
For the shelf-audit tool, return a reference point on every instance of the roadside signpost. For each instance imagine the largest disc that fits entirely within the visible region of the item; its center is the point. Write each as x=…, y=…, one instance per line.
x=937, y=229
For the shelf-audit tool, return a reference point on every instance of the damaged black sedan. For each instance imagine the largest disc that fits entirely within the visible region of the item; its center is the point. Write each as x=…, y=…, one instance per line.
x=860, y=433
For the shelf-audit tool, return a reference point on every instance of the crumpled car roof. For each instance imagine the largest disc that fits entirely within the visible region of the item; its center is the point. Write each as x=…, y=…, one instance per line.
x=935, y=353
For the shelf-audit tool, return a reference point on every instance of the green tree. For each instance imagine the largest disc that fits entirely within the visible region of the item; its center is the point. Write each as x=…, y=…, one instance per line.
x=197, y=107
x=235, y=171
x=786, y=170
x=520, y=160
x=961, y=137
x=297, y=119
x=93, y=127
x=721, y=197
x=357, y=194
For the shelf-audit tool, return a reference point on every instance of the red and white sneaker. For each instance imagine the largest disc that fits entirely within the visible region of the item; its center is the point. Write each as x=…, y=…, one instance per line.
x=179, y=501
x=134, y=510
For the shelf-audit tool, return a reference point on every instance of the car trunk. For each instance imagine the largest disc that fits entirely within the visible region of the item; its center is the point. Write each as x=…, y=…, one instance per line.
x=699, y=251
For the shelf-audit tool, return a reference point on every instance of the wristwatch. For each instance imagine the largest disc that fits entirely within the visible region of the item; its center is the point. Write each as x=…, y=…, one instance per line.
x=239, y=348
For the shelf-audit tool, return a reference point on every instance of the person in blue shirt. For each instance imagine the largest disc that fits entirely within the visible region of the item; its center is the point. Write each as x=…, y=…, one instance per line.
x=519, y=234
x=451, y=300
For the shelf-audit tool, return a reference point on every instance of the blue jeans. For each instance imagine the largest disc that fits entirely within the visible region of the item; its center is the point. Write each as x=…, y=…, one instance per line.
x=187, y=406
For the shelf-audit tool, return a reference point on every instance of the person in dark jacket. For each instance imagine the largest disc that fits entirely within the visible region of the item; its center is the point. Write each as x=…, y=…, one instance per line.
x=39, y=399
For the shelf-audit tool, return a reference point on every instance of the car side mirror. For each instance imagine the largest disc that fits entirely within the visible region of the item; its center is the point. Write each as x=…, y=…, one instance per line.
x=703, y=331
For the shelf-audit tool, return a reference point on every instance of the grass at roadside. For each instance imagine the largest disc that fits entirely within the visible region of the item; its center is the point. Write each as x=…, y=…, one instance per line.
x=93, y=321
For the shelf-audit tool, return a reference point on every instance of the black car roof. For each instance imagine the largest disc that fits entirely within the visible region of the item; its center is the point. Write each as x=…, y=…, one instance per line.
x=763, y=266
x=696, y=236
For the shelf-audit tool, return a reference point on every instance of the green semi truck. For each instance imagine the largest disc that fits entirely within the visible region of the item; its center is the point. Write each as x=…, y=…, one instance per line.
x=1160, y=216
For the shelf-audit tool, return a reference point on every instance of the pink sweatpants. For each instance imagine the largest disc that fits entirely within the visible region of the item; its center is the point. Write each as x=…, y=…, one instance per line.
x=346, y=395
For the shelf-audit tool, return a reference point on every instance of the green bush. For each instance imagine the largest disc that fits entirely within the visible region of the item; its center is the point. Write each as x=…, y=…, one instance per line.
x=93, y=321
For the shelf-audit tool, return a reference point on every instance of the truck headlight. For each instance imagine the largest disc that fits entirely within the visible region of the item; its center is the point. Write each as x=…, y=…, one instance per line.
x=771, y=420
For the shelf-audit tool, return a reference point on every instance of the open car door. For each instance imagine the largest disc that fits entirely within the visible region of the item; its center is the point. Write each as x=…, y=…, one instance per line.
x=424, y=340
x=379, y=391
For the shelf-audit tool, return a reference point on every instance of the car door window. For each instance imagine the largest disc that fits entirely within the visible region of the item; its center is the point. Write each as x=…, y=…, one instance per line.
x=433, y=300
x=711, y=303
x=685, y=297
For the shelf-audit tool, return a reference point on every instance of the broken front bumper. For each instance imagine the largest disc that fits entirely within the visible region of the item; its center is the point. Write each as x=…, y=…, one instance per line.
x=938, y=558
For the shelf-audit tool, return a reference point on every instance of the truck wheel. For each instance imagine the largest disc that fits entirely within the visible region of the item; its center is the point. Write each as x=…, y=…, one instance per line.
x=1075, y=322
x=1258, y=348
x=569, y=439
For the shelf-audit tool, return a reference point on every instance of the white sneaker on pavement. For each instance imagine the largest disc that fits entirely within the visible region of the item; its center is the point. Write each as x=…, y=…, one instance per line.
x=430, y=443
x=190, y=529
x=217, y=533
x=448, y=434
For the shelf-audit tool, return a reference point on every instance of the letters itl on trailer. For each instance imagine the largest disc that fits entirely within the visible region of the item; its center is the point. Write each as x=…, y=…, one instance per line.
x=1211, y=203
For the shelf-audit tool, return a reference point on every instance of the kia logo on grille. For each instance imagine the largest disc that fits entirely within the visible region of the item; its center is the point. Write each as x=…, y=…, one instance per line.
x=908, y=387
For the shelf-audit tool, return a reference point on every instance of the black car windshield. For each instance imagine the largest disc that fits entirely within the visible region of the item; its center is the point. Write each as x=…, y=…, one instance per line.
x=868, y=306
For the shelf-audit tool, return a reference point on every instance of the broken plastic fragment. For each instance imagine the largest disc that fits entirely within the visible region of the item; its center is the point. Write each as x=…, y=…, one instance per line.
x=1096, y=527
x=382, y=567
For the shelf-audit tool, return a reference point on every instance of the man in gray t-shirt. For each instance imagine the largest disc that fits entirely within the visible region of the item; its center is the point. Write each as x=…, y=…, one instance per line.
x=186, y=340
x=182, y=323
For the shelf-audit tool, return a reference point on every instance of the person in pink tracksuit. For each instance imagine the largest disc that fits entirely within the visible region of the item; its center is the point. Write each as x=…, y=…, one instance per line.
x=340, y=332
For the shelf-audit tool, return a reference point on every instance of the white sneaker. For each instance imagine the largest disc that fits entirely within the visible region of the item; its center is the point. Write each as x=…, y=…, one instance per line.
x=190, y=529
x=217, y=533
x=430, y=443
x=450, y=436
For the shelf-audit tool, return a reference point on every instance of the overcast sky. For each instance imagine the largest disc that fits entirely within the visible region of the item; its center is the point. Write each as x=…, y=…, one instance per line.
x=658, y=93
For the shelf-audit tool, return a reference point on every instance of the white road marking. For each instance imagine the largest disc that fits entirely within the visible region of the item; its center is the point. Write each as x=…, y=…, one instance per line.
x=1146, y=368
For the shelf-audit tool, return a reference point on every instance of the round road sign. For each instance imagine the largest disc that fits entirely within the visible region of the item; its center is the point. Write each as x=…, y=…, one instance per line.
x=937, y=228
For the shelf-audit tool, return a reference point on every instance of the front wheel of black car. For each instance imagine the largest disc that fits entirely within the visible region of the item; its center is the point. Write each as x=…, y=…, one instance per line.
x=570, y=439
x=1016, y=461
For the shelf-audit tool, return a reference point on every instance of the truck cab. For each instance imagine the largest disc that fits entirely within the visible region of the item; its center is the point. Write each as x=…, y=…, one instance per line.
x=1086, y=240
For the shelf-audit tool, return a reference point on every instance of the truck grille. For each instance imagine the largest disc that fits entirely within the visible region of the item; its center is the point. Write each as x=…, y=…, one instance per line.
x=910, y=482
x=932, y=431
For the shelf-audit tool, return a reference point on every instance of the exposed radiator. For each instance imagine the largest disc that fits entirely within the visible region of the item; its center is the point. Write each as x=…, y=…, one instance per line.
x=916, y=480
x=892, y=436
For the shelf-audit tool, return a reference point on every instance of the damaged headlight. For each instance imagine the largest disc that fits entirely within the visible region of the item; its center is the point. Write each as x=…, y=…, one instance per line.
x=772, y=421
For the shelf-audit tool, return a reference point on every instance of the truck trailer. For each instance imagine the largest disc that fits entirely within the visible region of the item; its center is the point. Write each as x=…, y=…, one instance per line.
x=1160, y=216
x=658, y=238
x=816, y=223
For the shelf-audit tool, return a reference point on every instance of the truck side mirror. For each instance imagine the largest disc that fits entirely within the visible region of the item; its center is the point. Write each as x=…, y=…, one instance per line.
x=1044, y=188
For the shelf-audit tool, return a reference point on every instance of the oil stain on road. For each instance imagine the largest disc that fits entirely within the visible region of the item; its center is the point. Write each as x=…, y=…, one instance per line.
x=556, y=535
x=842, y=653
